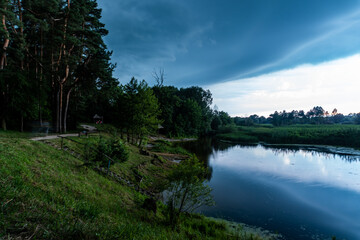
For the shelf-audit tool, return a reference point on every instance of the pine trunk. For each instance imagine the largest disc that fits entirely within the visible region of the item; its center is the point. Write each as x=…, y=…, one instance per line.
x=140, y=140
x=6, y=42
x=41, y=74
x=3, y=123
x=22, y=123
x=66, y=108
x=61, y=108
x=63, y=81
x=57, y=111
x=21, y=29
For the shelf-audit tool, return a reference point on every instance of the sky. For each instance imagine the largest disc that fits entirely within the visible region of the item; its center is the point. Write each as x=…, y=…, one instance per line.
x=255, y=56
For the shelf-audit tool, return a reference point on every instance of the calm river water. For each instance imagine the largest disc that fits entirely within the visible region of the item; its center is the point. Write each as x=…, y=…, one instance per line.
x=300, y=192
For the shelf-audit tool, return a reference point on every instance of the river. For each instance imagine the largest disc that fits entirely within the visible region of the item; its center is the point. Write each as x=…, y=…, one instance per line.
x=301, y=192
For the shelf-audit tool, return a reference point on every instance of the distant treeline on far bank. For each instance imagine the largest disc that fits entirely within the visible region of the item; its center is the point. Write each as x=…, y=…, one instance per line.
x=316, y=115
x=316, y=126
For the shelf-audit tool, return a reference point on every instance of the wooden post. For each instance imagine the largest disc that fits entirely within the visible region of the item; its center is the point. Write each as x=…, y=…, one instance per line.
x=108, y=167
x=62, y=141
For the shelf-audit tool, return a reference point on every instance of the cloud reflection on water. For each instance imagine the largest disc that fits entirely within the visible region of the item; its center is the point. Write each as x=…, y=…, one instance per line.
x=300, y=165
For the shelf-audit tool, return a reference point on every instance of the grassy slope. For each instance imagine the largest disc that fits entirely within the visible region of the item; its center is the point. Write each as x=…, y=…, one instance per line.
x=337, y=135
x=46, y=195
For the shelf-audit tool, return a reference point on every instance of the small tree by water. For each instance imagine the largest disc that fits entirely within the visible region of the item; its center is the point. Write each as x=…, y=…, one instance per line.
x=187, y=190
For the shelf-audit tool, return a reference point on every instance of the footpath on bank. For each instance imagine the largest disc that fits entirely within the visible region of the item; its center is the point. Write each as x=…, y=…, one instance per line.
x=88, y=128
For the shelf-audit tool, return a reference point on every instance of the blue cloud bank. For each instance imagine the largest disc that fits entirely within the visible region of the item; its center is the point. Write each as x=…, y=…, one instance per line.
x=210, y=41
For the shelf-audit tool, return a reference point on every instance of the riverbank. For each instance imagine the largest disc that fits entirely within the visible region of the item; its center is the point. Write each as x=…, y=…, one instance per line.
x=48, y=192
x=332, y=135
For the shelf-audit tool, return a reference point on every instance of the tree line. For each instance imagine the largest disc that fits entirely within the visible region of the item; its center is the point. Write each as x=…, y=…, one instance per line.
x=316, y=115
x=55, y=67
x=138, y=110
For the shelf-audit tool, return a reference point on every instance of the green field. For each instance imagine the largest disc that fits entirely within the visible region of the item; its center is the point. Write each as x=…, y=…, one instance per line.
x=47, y=193
x=336, y=135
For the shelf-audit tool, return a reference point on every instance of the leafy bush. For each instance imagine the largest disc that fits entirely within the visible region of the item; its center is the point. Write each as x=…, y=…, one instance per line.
x=101, y=150
x=119, y=150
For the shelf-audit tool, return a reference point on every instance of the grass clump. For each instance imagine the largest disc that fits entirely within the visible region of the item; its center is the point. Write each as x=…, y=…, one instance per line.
x=164, y=146
x=238, y=137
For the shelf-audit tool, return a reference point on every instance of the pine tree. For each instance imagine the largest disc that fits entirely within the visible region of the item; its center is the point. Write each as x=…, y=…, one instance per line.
x=50, y=51
x=12, y=78
x=81, y=44
x=141, y=110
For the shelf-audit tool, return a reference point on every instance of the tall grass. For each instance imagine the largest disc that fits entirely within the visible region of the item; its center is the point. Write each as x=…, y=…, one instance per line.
x=168, y=147
x=337, y=135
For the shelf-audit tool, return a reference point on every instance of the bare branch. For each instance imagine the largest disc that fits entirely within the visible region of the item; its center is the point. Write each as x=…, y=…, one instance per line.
x=159, y=76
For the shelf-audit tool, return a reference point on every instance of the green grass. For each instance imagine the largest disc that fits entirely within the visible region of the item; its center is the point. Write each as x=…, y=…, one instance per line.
x=239, y=137
x=163, y=146
x=46, y=194
x=54, y=194
x=15, y=134
x=336, y=135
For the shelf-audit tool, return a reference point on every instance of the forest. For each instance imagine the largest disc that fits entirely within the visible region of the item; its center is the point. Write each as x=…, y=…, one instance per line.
x=56, y=70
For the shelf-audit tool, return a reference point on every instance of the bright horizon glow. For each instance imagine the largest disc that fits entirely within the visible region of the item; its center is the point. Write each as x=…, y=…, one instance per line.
x=333, y=84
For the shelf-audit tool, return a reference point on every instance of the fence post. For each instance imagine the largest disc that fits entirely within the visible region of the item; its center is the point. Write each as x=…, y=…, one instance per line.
x=108, y=167
x=62, y=140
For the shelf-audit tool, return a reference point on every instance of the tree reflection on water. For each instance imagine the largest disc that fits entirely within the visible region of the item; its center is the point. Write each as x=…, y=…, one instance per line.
x=204, y=148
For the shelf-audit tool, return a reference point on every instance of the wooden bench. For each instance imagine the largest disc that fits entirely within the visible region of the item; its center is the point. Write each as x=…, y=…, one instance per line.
x=83, y=133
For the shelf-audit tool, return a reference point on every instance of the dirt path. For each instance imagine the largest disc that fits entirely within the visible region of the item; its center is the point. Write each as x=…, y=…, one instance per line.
x=87, y=127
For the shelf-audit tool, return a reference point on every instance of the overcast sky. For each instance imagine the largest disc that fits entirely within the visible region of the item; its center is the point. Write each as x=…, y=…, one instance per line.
x=256, y=56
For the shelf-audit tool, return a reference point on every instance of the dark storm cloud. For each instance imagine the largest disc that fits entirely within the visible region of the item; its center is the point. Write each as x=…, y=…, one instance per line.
x=147, y=34
x=207, y=41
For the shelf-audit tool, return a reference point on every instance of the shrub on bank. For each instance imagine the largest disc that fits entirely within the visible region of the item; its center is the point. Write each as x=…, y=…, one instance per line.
x=101, y=150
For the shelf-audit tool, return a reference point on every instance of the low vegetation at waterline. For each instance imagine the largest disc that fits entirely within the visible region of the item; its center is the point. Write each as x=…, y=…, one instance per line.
x=336, y=135
x=164, y=146
x=48, y=193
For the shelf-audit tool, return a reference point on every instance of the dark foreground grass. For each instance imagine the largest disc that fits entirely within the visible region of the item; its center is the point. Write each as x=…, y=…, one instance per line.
x=16, y=134
x=45, y=193
x=336, y=135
